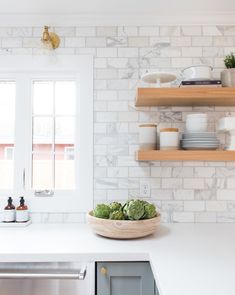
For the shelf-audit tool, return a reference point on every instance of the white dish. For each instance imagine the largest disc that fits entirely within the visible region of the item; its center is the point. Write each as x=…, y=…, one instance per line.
x=15, y=224
x=197, y=72
x=196, y=124
x=202, y=134
x=158, y=78
x=199, y=144
x=197, y=127
x=199, y=138
x=200, y=148
x=195, y=139
x=196, y=119
x=198, y=115
x=207, y=133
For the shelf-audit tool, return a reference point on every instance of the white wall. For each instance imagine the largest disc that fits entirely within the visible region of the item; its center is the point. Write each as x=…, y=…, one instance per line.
x=184, y=191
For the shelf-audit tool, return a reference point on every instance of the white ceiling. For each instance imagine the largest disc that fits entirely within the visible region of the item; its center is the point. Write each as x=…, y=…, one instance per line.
x=114, y=6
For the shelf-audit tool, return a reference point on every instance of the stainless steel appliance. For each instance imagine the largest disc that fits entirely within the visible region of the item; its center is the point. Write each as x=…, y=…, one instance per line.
x=46, y=278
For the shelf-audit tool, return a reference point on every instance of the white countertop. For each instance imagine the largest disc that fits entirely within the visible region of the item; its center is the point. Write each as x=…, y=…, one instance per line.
x=187, y=259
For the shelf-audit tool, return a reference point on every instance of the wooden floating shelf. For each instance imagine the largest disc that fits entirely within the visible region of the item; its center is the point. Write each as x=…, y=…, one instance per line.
x=182, y=155
x=220, y=96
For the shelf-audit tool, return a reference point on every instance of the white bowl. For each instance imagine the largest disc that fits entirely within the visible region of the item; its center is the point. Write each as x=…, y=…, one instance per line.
x=194, y=120
x=196, y=125
x=198, y=72
x=226, y=124
x=199, y=115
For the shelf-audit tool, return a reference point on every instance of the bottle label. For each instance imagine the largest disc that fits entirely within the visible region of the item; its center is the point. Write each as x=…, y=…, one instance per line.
x=22, y=215
x=9, y=216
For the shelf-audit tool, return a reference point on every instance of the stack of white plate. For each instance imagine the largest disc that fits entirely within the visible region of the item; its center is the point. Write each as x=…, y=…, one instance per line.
x=199, y=141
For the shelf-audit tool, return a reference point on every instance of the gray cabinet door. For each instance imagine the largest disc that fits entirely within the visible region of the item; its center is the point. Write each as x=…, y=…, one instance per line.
x=124, y=278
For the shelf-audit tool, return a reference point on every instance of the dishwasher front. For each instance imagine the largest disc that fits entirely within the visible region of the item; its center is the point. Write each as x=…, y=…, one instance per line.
x=50, y=278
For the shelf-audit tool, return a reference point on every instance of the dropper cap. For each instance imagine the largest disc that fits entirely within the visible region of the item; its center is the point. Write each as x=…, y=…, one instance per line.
x=22, y=201
x=10, y=201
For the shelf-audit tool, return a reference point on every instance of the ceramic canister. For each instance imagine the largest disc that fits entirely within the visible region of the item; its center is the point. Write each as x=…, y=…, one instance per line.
x=169, y=139
x=148, y=136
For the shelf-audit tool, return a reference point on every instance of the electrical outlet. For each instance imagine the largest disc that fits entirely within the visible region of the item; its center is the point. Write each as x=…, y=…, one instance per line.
x=144, y=188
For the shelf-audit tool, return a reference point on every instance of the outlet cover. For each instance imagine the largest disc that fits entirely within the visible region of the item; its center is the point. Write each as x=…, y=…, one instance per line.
x=145, y=188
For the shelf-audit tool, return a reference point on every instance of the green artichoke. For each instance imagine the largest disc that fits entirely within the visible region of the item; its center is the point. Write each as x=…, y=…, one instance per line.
x=115, y=206
x=102, y=211
x=134, y=209
x=149, y=211
x=125, y=207
x=117, y=215
x=131, y=210
x=144, y=202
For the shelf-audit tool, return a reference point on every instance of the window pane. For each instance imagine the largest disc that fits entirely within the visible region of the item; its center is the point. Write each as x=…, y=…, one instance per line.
x=43, y=171
x=65, y=149
x=7, y=130
x=53, y=134
x=64, y=172
x=43, y=134
x=64, y=132
x=65, y=98
x=9, y=152
x=43, y=97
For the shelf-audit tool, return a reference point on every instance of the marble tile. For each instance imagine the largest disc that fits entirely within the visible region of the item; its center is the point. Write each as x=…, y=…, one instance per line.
x=192, y=191
x=117, y=41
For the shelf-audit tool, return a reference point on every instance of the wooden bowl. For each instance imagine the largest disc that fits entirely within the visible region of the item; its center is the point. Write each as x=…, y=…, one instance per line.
x=123, y=229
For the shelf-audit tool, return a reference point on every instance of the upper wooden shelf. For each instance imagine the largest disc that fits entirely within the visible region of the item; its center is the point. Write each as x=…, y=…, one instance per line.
x=224, y=96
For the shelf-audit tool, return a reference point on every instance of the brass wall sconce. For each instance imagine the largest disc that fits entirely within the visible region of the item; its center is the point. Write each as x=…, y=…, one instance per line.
x=49, y=39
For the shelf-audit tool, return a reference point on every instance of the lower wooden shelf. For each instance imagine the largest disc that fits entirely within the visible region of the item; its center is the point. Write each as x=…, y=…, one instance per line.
x=182, y=155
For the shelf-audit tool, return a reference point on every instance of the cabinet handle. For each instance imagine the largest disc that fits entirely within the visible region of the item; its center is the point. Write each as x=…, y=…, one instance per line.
x=44, y=193
x=103, y=271
x=79, y=274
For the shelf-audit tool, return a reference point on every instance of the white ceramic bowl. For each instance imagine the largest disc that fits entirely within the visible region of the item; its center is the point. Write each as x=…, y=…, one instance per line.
x=197, y=120
x=198, y=72
x=226, y=124
x=196, y=125
x=199, y=115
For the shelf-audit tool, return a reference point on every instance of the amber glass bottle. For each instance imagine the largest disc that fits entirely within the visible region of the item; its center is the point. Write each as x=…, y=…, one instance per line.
x=22, y=212
x=9, y=211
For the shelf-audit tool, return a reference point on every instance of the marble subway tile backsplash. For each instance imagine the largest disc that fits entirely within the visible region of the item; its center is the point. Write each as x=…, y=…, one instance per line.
x=183, y=191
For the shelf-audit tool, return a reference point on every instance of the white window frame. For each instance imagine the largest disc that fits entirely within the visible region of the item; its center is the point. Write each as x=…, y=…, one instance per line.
x=25, y=69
